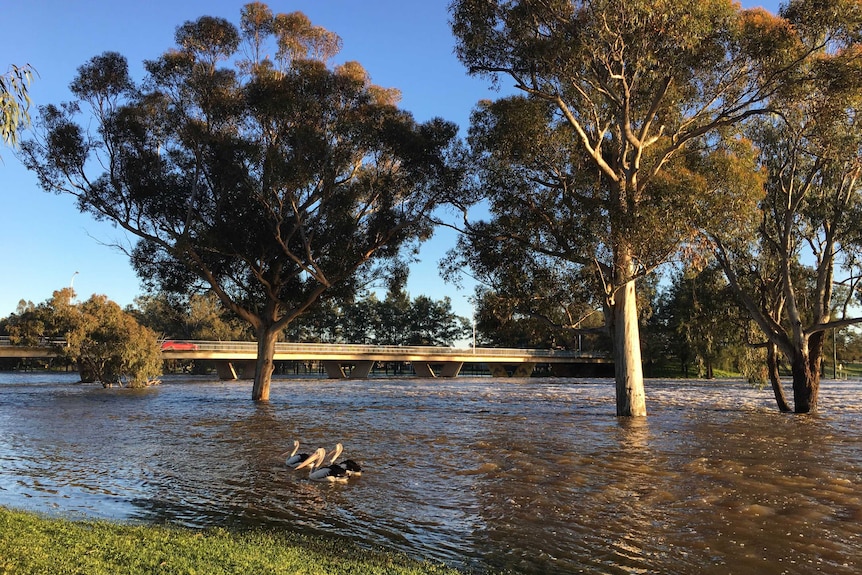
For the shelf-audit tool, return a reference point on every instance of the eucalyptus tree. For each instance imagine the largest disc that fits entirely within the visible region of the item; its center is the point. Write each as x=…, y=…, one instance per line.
x=591, y=162
x=110, y=346
x=808, y=238
x=273, y=181
x=27, y=326
x=393, y=317
x=359, y=318
x=107, y=343
x=525, y=299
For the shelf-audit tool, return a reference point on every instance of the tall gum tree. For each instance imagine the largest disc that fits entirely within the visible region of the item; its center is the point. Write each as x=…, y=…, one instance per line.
x=273, y=181
x=806, y=240
x=627, y=89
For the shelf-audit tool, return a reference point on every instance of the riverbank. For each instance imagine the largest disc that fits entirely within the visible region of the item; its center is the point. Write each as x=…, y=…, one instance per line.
x=34, y=545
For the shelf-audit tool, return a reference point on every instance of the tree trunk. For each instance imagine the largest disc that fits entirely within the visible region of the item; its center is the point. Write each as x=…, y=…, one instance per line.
x=265, y=364
x=628, y=370
x=775, y=378
x=806, y=374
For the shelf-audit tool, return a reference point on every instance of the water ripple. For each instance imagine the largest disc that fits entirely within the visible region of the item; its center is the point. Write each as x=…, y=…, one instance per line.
x=532, y=476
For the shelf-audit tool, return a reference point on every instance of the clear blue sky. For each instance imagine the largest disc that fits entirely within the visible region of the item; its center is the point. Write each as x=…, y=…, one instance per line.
x=405, y=44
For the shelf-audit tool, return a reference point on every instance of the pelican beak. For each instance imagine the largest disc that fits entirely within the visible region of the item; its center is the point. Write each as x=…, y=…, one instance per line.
x=313, y=458
x=333, y=455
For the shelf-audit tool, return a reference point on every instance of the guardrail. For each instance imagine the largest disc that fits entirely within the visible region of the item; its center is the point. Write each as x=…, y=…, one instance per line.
x=361, y=349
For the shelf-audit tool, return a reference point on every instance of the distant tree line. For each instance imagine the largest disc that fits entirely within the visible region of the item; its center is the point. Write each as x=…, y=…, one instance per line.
x=112, y=345
x=395, y=320
x=697, y=325
x=693, y=326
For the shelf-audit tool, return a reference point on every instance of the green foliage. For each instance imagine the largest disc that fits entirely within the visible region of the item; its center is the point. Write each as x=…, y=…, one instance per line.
x=272, y=182
x=702, y=324
x=111, y=346
x=199, y=316
x=27, y=326
x=632, y=135
x=796, y=263
x=107, y=343
x=396, y=320
x=598, y=166
x=593, y=165
x=14, y=102
x=506, y=321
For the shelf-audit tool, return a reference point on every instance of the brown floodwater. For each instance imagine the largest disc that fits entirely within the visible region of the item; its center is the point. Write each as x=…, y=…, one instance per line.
x=524, y=475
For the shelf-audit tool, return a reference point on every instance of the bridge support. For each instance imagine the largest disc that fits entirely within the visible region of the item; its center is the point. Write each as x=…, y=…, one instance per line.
x=448, y=369
x=511, y=369
x=359, y=369
x=229, y=370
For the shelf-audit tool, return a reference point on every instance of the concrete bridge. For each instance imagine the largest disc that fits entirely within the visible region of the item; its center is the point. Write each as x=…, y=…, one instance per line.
x=236, y=359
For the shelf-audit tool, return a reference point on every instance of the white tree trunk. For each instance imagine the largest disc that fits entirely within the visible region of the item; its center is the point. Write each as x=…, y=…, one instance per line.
x=628, y=369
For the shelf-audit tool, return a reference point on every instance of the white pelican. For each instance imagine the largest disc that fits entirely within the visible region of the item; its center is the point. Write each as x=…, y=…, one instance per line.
x=348, y=465
x=294, y=458
x=320, y=472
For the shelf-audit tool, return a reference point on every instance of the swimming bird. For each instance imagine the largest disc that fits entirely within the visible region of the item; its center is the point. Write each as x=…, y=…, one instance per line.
x=294, y=458
x=321, y=472
x=350, y=467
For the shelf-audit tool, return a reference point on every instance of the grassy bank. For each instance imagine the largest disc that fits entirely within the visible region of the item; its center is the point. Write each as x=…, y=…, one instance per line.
x=31, y=544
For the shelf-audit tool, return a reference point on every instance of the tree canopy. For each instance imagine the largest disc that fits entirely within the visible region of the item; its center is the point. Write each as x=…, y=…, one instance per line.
x=395, y=320
x=107, y=344
x=274, y=182
x=604, y=160
x=805, y=239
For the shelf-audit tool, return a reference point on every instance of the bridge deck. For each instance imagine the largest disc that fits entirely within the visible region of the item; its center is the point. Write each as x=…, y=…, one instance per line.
x=241, y=350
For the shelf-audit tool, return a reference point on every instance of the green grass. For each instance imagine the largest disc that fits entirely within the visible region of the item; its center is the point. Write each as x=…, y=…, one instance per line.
x=32, y=544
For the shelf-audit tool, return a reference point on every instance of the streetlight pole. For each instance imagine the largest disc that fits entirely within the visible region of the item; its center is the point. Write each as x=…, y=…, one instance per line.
x=472, y=303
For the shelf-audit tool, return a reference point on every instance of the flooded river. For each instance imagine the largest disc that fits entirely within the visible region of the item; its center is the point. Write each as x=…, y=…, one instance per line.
x=526, y=475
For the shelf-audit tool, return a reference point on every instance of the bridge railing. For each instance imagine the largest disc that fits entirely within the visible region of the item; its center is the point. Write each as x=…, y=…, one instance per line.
x=287, y=347
x=43, y=341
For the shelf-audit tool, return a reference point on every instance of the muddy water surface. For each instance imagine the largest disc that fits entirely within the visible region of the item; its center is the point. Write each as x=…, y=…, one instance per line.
x=532, y=476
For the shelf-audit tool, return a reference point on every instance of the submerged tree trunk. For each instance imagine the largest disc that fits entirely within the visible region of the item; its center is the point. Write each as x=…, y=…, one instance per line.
x=265, y=365
x=775, y=378
x=805, y=367
x=628, y=370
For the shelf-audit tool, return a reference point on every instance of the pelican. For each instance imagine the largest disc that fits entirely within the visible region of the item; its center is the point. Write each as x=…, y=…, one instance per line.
x=294, y=458
x=348, y=465
x=320, y=472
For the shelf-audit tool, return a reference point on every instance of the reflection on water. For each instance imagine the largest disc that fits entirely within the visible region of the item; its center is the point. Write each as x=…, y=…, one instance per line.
x=533, y=476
